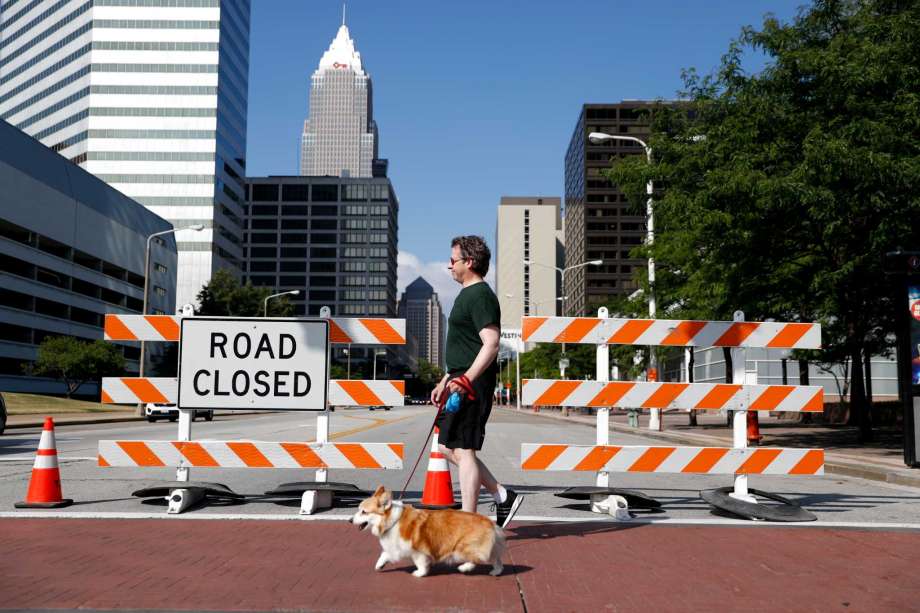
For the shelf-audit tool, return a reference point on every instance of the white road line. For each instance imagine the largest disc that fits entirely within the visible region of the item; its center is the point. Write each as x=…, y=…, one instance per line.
x=524, y=518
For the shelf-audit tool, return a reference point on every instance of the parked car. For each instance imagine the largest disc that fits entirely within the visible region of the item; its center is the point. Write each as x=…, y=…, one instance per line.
x=2, y=414
x=171, y=412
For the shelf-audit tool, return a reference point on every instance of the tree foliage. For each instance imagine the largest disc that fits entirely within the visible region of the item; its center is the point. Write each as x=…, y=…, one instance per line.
x=75, y=361
x=429, y=374
x=224, y=296
x=783, y=190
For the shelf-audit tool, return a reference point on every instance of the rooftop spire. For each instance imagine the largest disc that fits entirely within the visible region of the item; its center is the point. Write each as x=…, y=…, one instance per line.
x=343, y=13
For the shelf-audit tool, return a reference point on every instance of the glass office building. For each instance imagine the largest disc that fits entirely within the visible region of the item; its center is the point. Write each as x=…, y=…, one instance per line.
x=148, y=95
x=334, y=239
x=71, y=250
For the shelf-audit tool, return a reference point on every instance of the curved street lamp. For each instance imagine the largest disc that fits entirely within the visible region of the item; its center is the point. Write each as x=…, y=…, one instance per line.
x=197, y=228
x=293, y=292
x=562, y=272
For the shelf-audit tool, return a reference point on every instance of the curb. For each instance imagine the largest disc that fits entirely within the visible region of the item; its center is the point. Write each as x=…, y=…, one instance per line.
x=71, y=422
x=832, y=465
x=83, y=421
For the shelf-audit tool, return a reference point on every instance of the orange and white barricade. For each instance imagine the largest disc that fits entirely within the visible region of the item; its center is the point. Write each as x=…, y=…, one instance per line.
x=184, y=453
x=740, y=398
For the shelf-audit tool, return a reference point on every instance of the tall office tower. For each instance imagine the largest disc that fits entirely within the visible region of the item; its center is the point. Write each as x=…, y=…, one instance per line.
x=528, y=229
x=334, y=239
x=425, y=320
x=149, y=96
x=340, y=137
x=597, y=220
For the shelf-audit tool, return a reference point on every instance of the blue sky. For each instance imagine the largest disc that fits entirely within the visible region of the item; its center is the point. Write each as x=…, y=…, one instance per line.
x=477, y=99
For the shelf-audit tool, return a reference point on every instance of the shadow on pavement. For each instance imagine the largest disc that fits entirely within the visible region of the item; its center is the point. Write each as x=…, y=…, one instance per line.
x=555, y=530
x=450, y=569
x=18, y=445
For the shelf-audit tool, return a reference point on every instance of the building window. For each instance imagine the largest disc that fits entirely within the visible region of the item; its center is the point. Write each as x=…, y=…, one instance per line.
x=325, y=193
x=160, y=268
x=159, y=291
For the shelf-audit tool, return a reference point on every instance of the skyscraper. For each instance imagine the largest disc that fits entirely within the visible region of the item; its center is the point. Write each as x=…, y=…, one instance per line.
x=529, y=228
x=599, y=224
x=148, y=95
x=340, y=137
x=425, y=320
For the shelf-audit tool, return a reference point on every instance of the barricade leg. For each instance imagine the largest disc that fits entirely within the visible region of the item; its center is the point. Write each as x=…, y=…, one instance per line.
x=317, y=500
x=739, y=423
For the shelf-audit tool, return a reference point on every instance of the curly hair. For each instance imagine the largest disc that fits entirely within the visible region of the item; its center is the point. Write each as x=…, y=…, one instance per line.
x=475, y=249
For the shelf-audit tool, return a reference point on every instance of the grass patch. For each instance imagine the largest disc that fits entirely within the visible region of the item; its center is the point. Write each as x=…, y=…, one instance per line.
x=35, y=404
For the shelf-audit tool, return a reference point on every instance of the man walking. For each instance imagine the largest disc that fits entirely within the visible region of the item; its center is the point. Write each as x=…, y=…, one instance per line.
x=472, y=346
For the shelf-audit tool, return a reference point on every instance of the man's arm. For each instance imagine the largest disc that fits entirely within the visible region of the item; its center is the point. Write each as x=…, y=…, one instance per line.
x=489, y=336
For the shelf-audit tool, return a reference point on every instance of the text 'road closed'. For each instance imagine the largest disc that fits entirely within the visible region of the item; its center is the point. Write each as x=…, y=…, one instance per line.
x=253, y=364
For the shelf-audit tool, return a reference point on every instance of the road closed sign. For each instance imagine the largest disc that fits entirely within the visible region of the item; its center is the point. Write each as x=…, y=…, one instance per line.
x=267, y=364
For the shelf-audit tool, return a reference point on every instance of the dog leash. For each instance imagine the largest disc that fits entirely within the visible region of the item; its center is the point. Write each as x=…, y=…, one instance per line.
x=463, y=382
x=421, y=453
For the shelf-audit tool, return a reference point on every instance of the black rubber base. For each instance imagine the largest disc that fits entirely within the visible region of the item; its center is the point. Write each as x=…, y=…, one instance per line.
x=66, y=502
x=210, y=489
x=296, y=489
x=786, y=511
x=438, y=507
x=635, y=499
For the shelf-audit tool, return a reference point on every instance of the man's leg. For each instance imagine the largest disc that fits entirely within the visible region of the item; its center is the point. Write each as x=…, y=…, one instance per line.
x=473, y=475
x=486, y=479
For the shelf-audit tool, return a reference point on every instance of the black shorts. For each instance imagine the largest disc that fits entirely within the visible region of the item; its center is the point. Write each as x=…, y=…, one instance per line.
x=466, y=429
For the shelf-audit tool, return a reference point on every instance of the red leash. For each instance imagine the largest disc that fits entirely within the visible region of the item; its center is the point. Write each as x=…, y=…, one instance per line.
x=463, y=382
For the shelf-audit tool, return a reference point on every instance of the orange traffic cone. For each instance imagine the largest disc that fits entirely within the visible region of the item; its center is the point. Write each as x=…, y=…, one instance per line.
x=45, y=485
x=439, y=492
x=753, y=428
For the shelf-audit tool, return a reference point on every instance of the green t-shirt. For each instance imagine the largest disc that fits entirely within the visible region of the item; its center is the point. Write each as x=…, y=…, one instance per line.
x=475, y=308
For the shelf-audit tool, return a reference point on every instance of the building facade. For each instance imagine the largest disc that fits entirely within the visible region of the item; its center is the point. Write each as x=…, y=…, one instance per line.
x=340, y=137
x=425, y=320
x=599, y=223
x=334, y=239
x=71, y=249
x=528, y=228
x=148, y=95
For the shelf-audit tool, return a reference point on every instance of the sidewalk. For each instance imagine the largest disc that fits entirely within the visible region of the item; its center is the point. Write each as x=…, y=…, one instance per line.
x=37, y=420
x=241, y=565
x=881, y=460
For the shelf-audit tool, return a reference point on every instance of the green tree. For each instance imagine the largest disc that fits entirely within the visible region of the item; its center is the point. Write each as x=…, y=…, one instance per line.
x=224, y=296
x=784, y=189
x=429, y=374
x=76, y=362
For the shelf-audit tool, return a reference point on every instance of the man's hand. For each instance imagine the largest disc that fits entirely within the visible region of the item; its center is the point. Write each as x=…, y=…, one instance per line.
x=436, y=393
x=453, y=386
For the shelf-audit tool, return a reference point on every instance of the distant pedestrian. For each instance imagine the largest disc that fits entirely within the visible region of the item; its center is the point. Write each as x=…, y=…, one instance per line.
x=473, y=332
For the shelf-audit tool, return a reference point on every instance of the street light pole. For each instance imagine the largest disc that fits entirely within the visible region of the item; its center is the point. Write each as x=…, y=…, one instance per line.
x=598, y=138
x=197, y=228
x=293, y=292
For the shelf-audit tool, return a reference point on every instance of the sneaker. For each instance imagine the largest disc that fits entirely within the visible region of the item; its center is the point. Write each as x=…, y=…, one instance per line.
x=506, y=510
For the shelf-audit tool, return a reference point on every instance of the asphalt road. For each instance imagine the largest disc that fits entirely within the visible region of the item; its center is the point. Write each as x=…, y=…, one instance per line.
x=102, y=491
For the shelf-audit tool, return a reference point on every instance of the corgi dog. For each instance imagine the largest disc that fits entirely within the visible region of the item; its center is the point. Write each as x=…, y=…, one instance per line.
x=430, y=537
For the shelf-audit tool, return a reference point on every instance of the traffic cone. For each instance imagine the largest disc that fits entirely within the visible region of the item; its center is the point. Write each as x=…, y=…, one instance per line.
x=45, y=485
x=753, y=428
x=439, y=492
